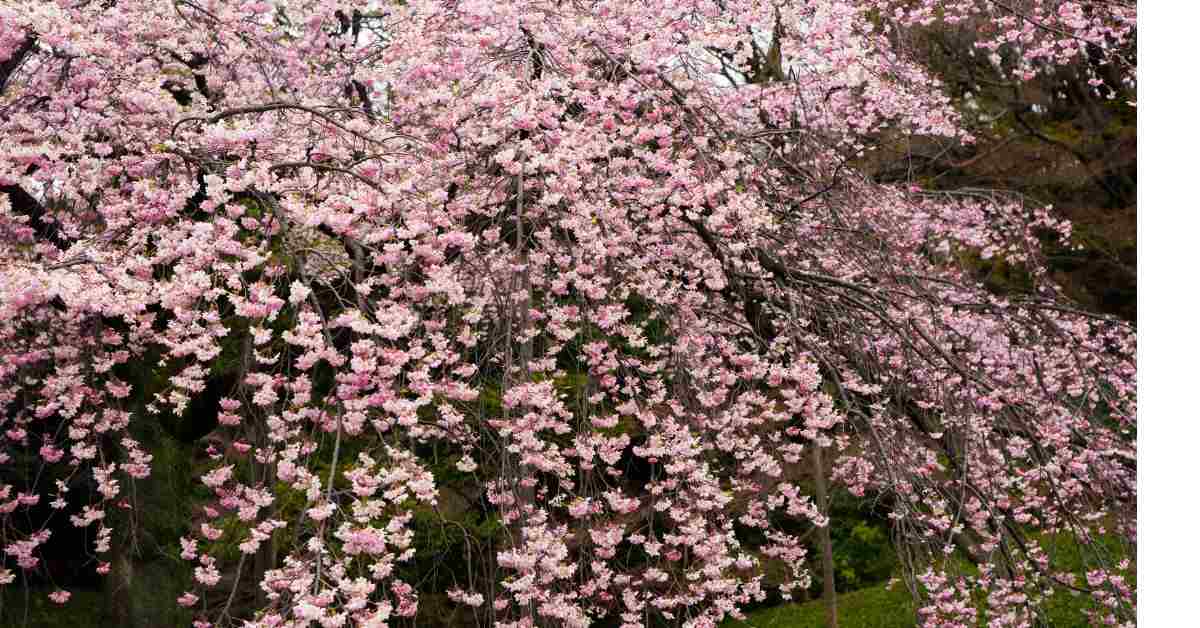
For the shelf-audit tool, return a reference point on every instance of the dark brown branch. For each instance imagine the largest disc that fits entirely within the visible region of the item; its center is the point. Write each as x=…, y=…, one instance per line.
x=316, y=166
x=26, y=205
x=10, y=65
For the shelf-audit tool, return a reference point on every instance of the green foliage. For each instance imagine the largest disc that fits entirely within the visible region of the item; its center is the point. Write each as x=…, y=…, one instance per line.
x=449, y=546
x=998, y=275
x=863, y=555
x=166, y=501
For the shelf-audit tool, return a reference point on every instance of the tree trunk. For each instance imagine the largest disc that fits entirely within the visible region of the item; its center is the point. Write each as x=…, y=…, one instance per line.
x=830, y=591
x=264, y=560
x=118, y=585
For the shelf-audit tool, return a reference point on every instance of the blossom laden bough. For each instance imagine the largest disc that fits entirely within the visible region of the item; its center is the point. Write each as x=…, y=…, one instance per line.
x=615, y=257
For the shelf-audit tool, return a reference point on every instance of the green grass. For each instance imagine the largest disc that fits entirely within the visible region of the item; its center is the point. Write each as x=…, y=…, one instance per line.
x=877, y=607
x=873, y=607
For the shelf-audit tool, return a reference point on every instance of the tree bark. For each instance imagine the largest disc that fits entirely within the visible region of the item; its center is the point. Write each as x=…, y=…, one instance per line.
x=118, y=587
x=829, y=594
